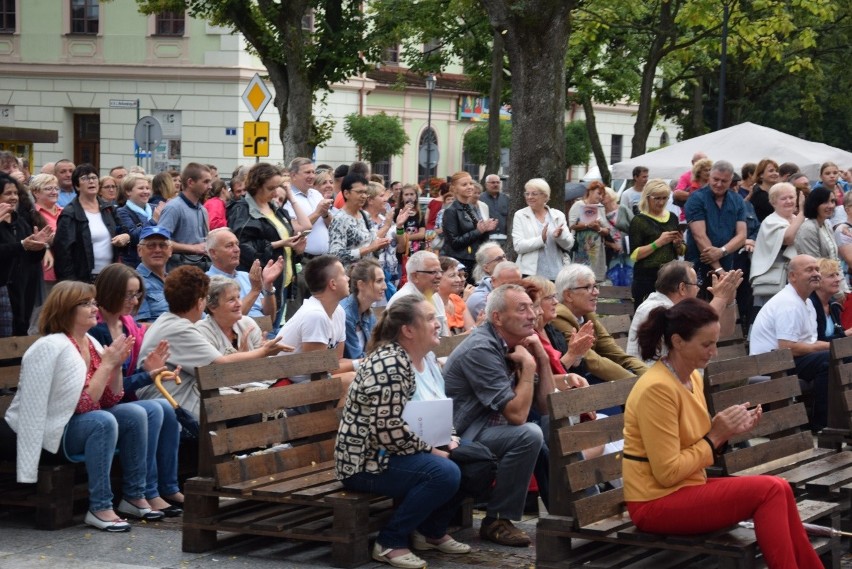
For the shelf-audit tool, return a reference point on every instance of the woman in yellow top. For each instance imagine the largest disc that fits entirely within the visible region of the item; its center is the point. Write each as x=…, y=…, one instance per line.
x=669, y=438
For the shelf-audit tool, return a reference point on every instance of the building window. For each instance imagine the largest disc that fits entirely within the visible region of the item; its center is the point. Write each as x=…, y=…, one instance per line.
x=432, y=47
x=391, y=55
x=7, y=16
x=171, y=23
x=84, y=16
x=428, y=154
x=383, y=168
x=308, y=21
x=615, y=151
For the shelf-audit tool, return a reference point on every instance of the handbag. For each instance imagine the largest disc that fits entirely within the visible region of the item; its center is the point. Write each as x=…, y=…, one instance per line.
x=478, y=466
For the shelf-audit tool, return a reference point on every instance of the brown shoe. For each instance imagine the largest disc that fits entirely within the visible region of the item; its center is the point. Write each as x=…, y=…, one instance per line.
x=503, y=532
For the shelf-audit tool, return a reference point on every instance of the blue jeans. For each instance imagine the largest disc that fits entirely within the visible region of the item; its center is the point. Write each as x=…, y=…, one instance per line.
x=163, y=442
x=425, y=484
x=96, y=435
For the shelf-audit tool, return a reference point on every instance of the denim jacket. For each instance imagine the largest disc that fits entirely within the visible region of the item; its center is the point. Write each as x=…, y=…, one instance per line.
x=353, y=348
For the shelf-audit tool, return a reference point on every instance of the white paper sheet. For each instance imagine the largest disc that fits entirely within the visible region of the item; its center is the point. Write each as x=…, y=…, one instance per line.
x=432, y=421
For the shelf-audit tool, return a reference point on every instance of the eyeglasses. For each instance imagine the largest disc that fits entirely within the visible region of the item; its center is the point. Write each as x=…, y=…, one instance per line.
x=587, y=288
x=108, y=187
x=497, y=259
x=50, y=189
x=131, y=295
x=155, y=244
x=434, y=273
x=89, y=303
x=89, y=178
x=690, y=284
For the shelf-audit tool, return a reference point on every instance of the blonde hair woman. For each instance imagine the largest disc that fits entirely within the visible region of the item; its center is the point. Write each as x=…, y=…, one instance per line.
x=540, y=233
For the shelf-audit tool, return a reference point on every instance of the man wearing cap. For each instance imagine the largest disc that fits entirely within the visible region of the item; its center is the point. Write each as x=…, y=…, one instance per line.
x=257, y=290
x=155, y=249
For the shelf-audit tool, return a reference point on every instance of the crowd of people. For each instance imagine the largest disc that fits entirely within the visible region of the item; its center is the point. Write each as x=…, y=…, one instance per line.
x=128, y=277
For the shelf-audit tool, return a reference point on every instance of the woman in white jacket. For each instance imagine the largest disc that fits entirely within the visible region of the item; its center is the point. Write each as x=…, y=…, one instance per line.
x=67, y=403
x=540, y=234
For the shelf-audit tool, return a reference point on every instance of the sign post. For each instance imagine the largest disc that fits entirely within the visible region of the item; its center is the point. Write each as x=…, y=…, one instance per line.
x=147, y=135
x=256, y=134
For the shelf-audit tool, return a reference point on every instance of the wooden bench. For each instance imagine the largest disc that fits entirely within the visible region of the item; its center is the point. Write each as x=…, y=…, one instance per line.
x=615, y=300
x=448, y=344
x=733, y=346
x=264, y=323
x=618, y=327
x=289, y=490
x=596, y=531
x=838, y=432
x=56, y=490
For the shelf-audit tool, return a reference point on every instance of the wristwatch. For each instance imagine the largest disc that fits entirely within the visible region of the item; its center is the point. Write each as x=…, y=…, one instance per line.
x=724, y=250
x=266, y=293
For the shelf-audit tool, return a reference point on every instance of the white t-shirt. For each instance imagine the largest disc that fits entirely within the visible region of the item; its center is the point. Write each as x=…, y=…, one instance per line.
x=654, y=300
x=440, y=311
x=317, y=242
x=101, y=241
x=785, y=316
x=311, y=324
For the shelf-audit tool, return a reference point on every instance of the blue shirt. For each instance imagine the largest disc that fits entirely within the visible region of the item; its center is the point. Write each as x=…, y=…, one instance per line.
x=242, y=279
x=186, y=221
x=66, y=198
x=154, y=302
x=356, y=343
x=720, y=223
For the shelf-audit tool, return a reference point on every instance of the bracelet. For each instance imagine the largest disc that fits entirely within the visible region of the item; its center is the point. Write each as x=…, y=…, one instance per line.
x=716, y=451
x=654, y=246
x=400, y=231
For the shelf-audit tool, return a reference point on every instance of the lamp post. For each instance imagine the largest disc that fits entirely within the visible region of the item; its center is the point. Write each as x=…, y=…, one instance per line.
x=430, y=86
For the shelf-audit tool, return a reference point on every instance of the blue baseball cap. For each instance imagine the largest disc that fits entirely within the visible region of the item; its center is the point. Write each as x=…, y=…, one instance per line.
x=155, y=231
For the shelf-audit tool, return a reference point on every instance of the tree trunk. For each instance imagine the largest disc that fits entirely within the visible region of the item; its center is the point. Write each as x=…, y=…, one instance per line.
x=536, y=42
x=492, y=164
x=595, y=139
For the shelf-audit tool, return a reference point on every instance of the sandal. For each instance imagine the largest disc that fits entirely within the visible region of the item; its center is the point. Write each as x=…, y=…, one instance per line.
x=503, y=532
x=407, y=561
x=112, y=526
x=420, y=543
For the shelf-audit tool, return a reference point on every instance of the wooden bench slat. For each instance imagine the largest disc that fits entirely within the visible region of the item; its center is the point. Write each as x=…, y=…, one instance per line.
x=772, y=455
x=598, y=507
x=448, y=344
x=609, y=525
x=617, y=292
x=233, y=471
x=727, y=371
x=9, y=376
x=577, y=401
x=587, y=435
x=774, y=421
x=841, y=348
x=283, y=430
x=283, y=488
x=830, y=482
x=14, y=347
x=817, y=468
x=844, y=373
x=779, y=389
x=586, y=473
x=614, y=308
x=267, y=369
x=617, y=325
x=226, y=407
x=247, y=486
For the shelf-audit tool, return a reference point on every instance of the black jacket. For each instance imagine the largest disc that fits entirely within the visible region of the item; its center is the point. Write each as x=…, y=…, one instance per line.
x=20, y=270
x=835, y=309
x=461, y=237
x=256, y=234
x=72, y=246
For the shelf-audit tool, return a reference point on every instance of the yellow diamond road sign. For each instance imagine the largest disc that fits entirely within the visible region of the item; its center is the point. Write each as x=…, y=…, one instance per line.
x=256, y=96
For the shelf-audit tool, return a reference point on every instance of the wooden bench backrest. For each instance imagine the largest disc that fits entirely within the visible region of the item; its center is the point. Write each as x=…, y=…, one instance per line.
x=726, y=384
x=618, y=327
x=733, y=346
x=448, y=344
x=840, y=385
x=570, y=475
x=615, y=300
x=310, y=434
x=11, y=351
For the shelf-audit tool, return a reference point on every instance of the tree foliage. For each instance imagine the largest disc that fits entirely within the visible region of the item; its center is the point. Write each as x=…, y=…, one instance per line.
x=577, y=144
x=378, y=136
x=300, y=60
x=476, y=141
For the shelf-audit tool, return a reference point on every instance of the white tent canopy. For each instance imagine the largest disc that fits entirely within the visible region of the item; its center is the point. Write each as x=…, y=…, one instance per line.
x=746, y=142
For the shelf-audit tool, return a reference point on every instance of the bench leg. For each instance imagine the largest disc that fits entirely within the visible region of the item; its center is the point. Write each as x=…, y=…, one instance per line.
x=552, y=546
x=463, y=518
x=198, y=507
x=55, y=497
x=352, y=521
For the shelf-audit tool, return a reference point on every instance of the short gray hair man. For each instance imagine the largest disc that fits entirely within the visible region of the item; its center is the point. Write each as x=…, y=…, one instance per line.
x=497, y=299
x=570, y=276
x=417, y=262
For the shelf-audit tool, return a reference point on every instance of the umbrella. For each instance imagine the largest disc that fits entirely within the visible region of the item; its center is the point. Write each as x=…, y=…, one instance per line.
x=186, y=420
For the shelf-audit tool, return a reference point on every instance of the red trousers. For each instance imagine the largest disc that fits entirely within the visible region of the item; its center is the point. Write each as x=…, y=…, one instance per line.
x=723, y=502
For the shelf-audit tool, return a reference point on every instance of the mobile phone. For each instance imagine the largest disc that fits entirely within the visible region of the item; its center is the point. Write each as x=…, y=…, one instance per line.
x=305, y=233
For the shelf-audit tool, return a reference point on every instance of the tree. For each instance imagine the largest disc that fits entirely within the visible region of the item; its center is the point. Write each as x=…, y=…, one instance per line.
x=577, y=145
x=535, y=35
x=477, y=141
x=300, y=60
x=378, y=136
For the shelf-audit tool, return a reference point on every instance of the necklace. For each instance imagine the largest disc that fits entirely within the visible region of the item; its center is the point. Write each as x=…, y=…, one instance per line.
x=687, y=384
